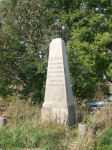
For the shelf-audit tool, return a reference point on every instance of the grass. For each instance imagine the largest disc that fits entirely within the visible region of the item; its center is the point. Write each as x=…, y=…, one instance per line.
x=26, y=136
x=25, y=130
x=105, y=140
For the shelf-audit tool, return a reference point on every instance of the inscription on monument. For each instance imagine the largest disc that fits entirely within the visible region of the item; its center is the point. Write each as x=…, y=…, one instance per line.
x=55, y=72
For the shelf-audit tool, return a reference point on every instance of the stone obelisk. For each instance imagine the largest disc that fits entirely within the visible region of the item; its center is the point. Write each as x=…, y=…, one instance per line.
x=59, y=103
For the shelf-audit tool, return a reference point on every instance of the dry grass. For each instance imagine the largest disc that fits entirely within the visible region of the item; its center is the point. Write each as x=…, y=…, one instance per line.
x=103, y=117
x=98, y=122
x=20, y=111
x=24, y=129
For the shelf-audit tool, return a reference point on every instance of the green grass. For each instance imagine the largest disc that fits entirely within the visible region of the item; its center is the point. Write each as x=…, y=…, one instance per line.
x=26, y=136
x=105, y=141
x=24, y=129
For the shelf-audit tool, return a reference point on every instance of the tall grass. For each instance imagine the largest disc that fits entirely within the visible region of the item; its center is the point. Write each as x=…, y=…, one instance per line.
x=24, y=129
x=99, y=131
x=26, y=136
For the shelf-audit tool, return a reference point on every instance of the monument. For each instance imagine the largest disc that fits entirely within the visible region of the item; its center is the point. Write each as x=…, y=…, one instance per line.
x=59, y=103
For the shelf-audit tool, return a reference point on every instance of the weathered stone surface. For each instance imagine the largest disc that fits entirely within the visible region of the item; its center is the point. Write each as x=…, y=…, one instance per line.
x=59, y=104
x=82, y=130
x=2, y=121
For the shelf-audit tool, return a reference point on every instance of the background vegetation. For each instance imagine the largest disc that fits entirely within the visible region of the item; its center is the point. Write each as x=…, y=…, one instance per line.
x=27, y=27
x=24, y=130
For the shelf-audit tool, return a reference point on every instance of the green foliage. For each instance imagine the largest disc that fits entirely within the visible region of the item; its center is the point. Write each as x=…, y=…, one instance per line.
x=26, y=136
x=26, y=28
x=23, y=47
x=90, y=52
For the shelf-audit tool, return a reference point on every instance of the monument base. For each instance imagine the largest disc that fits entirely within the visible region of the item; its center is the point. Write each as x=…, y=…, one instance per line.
x=64, y=116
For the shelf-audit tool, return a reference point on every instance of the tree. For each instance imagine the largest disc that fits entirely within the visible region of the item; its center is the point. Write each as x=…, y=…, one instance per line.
x=23, y=46
x=90, y=50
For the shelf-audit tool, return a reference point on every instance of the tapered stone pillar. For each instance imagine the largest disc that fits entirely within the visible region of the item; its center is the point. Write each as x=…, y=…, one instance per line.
x=59, y=103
